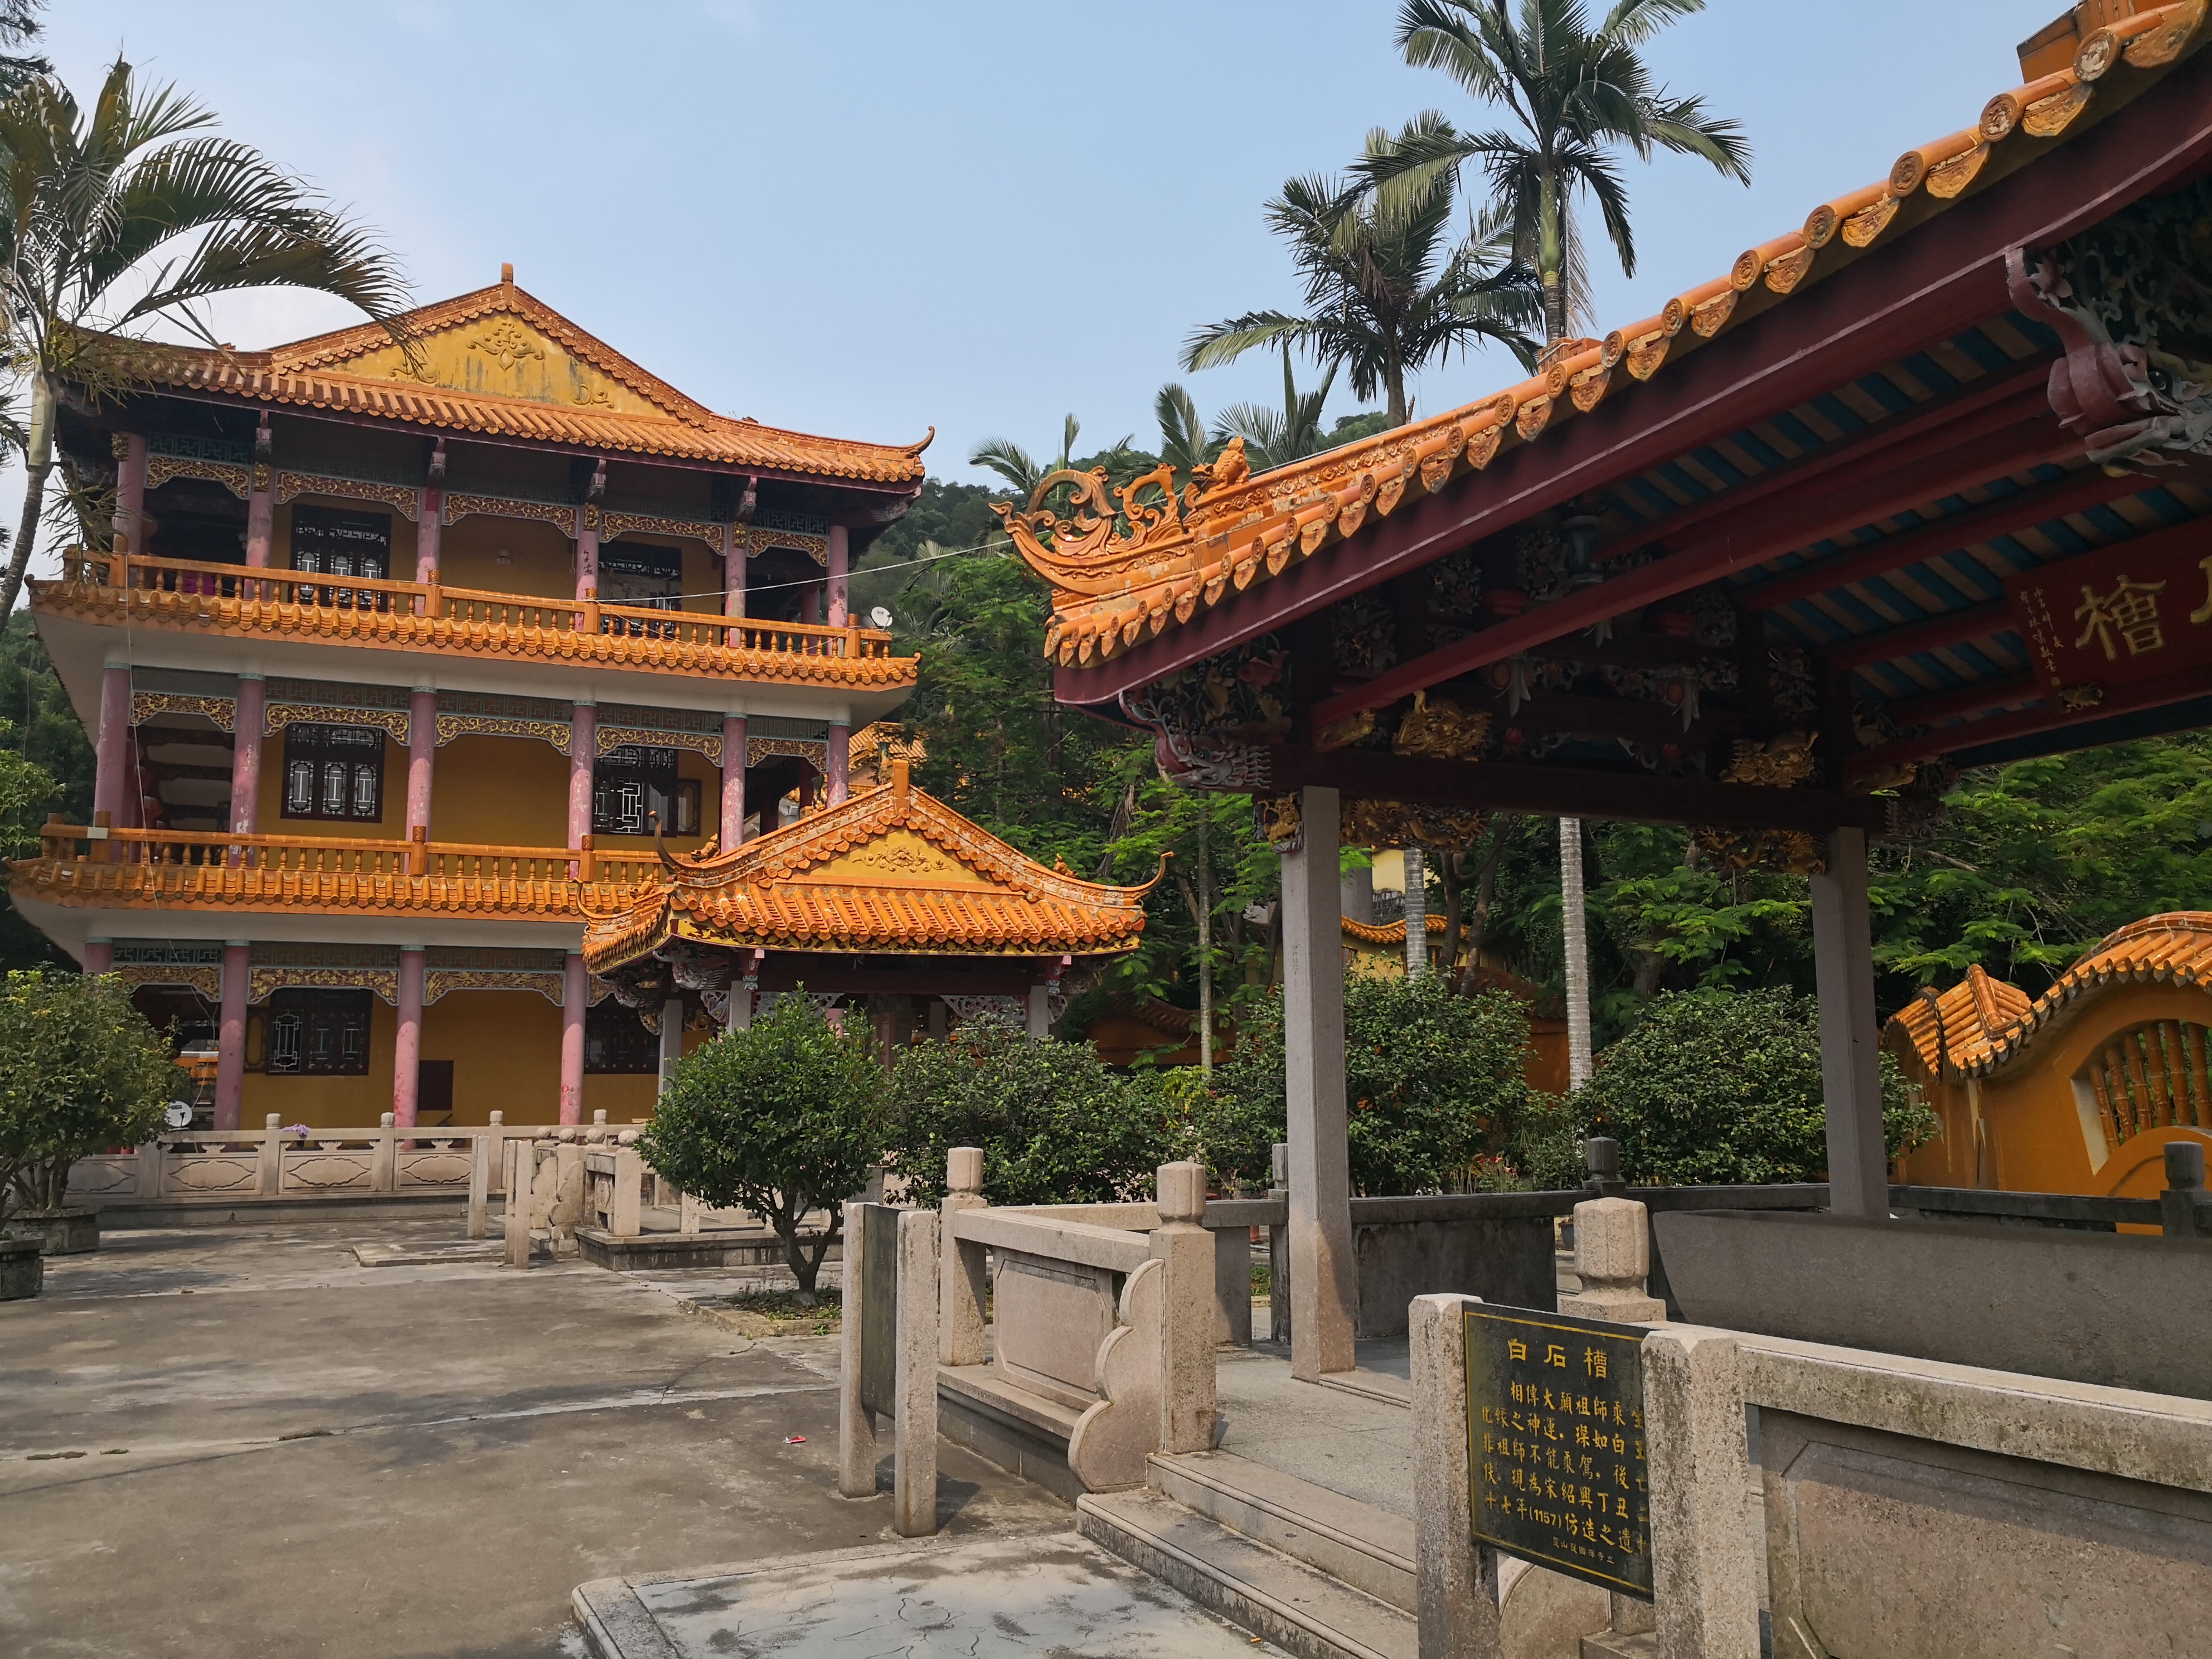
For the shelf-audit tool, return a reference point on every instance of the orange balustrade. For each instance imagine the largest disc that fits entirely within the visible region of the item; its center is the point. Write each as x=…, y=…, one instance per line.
x=238, y=599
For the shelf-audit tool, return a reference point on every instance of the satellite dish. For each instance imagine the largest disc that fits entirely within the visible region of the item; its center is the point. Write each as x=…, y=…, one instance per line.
x=880, y=618
x=179, y=1115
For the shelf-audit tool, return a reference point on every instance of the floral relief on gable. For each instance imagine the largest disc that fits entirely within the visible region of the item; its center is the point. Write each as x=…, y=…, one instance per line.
x=503, y=356
x=900, y=855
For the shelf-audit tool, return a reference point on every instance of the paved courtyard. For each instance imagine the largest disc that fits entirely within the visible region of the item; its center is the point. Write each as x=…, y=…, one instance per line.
x=240, y=1442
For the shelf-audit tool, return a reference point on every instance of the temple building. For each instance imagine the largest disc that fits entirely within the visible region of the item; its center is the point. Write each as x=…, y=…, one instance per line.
x=407, y=644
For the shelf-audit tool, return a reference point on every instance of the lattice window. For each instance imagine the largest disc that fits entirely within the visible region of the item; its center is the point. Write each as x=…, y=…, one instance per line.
x=635, y=786
x=328, y=542
x=2151, y=1075
x=615, y=1041
x=334, y=772
x=317, y=1033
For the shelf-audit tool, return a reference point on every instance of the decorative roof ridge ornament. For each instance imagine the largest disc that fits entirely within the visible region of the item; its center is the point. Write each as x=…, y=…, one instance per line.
x=1119, y=578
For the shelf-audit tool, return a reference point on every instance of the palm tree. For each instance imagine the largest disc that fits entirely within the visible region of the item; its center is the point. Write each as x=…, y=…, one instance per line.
x=1185, y=444
x=1016, y=465
x=1276, y=437
x=1576, y=95
x=116, y=219
x=1386, y=293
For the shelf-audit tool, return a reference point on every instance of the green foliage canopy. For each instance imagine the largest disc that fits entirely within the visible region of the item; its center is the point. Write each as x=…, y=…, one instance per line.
x=783, y=1118
x=79, y=1071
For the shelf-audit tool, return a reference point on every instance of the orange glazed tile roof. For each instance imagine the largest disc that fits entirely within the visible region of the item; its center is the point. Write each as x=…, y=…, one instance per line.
x=1231, y=528
x=889, y=871
x=354, y=371
x=1386, y=933
x=1981, y=1024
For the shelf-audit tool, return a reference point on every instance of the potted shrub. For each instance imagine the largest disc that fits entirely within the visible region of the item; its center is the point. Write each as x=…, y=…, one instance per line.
x=80, y=1070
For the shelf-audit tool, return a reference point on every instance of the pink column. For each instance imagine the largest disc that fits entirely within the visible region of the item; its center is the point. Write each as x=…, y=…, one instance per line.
x=99, y=956
x=246, y=755
x=838, y=564
x=733, y=781
x=841, y=754
x=429, y=526
x=733, y=574
x=583, y=748
x=230, y=1035
x=407, y=1047
x=113, y=785
x=130, y=493
x=576, y=992
x=260, y=510
x=588, y=550
x=421, y=755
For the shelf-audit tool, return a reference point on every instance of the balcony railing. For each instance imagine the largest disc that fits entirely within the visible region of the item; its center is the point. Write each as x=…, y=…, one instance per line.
x=82, y=865
x=254, y=599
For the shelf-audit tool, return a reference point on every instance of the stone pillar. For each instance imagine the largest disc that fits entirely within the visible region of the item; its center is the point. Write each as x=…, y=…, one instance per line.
x=1323, y=1288
x=421, y=757
x=99, y=956
x=733, y=779
x=1704, y=1573
x=407, y=1046
x=1356, y=894
x=1040, y=1012
x=856, y=1424
x=1454, y=1584
x=583, y=750
x=129, y=449
x=840, y=564
x=1279, y=1250
x=1182, y=1244
x=1850, y=1053
x=230, y=1034
x=113, y=784
x=960, y=1335
x=840, y=762
x=575, y=996
x=672, y=1040
x=247, y=736
x=914, y=1404
x=1417, y=914
x=1612, y=1258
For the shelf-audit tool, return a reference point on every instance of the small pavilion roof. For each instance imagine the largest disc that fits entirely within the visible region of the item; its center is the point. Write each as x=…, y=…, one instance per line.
x=892, y=871
x=1981, y=1024
x=501, y=363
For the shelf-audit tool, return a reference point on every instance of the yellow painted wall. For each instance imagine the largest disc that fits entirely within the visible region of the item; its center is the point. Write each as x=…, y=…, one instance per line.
x=2030, y=1133
x=392, y=826
x=500, y=792
x=505, y=357
x=327, y=1103
x=403, y=531
x=541, y=560
x=505, y=1050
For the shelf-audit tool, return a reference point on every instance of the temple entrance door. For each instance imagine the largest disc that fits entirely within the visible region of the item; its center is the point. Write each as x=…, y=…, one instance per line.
x=434, y=1093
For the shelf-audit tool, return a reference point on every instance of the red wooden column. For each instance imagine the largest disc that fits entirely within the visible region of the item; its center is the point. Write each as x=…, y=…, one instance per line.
x=260, y=510
x=839, y=570
x=421, y=757
x=430, y=526
x=407, y=1046
x=230, y=1034
x=111, y=783
x=246, y=738
x=733, y=781
x=576, y=995
x=583, y=750
x=840, y=762
x=130, y=494
x=99, y=956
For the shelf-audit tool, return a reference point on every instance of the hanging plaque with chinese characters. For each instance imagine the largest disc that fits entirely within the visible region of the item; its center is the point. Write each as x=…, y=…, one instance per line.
x=2139, y=611
x=1557, y=1473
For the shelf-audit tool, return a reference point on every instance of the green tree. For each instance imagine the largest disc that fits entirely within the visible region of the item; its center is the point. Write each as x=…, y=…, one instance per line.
x=1386, y=290
x=20, y=25
x=1577, y=96
x=130, y=215
x=45, y=765
x=1433, y=1080
x=1726, y=1090
x=79, y=1071
x=782, y=1119
x=1276, y=437
x=1056, y=1126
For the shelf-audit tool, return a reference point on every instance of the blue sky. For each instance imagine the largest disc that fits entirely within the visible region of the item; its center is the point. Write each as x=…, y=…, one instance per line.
x=867, y=219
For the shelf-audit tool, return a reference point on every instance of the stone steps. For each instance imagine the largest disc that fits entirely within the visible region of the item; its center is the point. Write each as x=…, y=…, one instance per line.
x=1282, y=1557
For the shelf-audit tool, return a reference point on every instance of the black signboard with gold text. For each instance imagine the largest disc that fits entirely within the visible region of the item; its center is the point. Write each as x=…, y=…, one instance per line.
x=1556, y=1473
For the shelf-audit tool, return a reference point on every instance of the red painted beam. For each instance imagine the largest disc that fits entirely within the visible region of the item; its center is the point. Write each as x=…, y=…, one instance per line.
x=2044, y=717
x=2009, y=449
x=1952, y=628
x=2076, y=492
x=1943, y=277
x=1977, y=698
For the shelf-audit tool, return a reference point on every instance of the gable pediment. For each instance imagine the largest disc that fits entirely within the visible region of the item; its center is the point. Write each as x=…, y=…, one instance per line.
x=502, y=354
x=900, y=856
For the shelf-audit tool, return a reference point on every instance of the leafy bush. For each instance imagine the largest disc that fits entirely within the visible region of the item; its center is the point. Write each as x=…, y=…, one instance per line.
x=1219, y=1128
x=780, y=1119
x=80, y=1070
x=1722, y=1089
x=1056, y=1126
x=1432, y=1080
